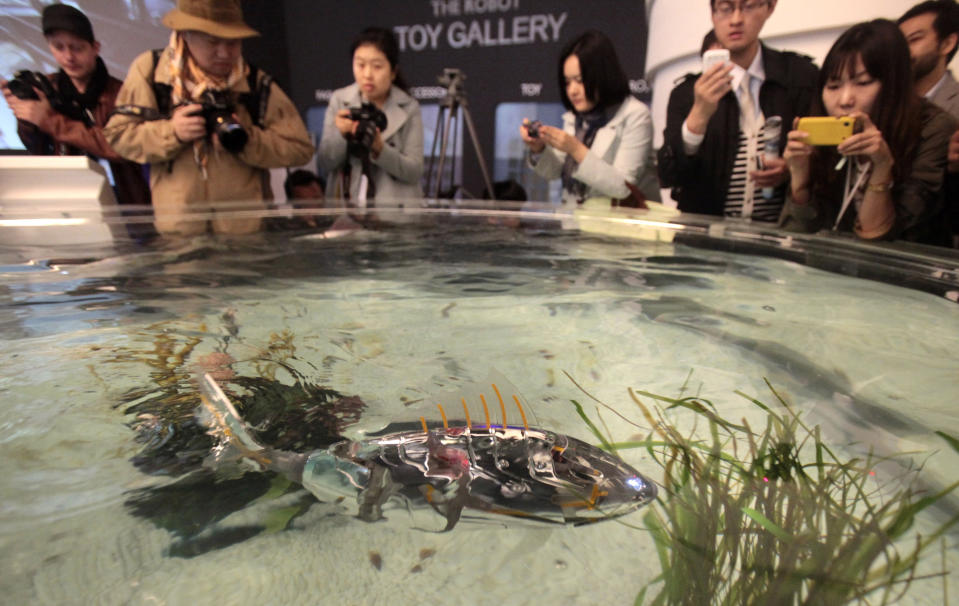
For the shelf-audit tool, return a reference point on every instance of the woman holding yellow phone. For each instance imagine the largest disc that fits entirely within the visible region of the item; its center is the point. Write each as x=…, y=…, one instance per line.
x=884, y=180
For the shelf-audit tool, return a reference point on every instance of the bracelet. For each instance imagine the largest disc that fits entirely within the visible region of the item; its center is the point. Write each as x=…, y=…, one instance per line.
x=880, y=187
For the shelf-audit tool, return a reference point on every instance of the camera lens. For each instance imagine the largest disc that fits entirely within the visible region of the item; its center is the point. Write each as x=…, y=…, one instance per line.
x=231, y=133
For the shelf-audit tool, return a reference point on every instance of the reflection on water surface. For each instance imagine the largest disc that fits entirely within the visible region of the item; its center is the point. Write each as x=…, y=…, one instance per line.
x=100, y=459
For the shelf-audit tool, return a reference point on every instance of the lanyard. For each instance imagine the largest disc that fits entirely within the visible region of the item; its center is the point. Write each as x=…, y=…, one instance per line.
x=850, y=193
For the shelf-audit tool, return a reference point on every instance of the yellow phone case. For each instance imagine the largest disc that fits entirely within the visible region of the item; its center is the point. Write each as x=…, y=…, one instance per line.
x=826, y=130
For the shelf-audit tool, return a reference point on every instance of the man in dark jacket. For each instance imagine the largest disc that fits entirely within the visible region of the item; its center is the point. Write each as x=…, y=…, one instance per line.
x=86, y=95
x=713, y=150
x=932, y=30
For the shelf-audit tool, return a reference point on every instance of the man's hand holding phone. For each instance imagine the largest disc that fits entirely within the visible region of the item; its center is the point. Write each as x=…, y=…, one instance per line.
x=711, y=86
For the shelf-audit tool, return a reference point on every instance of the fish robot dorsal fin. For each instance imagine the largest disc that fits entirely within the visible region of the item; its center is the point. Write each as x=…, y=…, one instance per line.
x=493, y=402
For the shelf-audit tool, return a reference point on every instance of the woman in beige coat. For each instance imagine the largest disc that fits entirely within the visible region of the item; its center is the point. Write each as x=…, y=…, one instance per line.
x=196, y=183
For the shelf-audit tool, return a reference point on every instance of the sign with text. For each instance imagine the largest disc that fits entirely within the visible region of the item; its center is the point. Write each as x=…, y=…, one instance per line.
x=507, y=49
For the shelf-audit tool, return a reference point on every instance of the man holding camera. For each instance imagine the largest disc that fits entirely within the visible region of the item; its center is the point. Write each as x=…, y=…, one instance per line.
x=63, y=114
x=209, y=124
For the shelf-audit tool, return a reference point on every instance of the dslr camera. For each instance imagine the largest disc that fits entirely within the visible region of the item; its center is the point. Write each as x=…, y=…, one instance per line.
x=217, y=111
x=24, y=82
x=368, y=119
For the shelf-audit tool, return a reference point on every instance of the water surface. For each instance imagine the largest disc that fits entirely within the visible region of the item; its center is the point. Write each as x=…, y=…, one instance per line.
x=392, y=316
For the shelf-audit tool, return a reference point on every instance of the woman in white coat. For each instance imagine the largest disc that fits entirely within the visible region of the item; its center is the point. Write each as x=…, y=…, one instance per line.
x=393, y=160
x=605, y=145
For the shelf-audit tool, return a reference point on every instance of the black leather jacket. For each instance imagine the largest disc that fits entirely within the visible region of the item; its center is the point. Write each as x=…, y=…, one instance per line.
x=699, y=182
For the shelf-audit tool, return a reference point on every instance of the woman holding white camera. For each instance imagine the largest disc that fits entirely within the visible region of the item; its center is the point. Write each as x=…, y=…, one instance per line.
x=885, y=180
x=604, y=148
x=364, y=160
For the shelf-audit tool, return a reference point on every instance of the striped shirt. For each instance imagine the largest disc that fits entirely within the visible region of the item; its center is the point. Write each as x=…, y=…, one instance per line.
x=763, y=209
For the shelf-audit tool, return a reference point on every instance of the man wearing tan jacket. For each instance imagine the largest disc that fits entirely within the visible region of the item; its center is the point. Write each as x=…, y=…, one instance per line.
x=168, y=112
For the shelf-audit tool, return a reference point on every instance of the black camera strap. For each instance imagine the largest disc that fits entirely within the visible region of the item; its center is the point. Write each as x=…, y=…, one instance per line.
x=139, y=111
x=366, y=169
x=255, y=102
x=368, y=173
x=77, y=105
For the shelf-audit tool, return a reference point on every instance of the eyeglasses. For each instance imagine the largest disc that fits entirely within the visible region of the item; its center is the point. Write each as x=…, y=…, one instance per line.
x=726, y=9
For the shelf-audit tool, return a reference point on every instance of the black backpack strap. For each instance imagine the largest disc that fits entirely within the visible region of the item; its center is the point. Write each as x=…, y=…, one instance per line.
x=162, y=92
x=258, y=98
x=264, y=94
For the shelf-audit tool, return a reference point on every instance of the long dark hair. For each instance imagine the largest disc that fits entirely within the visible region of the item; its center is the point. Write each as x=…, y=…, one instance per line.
x=604, y=80
x=384, y=40
x=885, y=55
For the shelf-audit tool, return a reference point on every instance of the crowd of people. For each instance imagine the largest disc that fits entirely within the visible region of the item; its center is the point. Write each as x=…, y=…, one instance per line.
x=205, y=126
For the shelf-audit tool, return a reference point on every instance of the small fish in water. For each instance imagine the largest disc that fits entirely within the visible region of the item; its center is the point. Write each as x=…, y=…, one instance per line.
x=440, y=475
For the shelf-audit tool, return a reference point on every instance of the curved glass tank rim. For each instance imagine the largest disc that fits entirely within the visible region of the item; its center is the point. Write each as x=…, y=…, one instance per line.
x=921, y=267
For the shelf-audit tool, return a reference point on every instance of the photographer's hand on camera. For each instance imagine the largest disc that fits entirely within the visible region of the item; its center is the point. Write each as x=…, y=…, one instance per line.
x=377, y=146
x=34, y=111
x=188, y=124
x=368, y=131
x=535, y=144
x=362, y=128
x=562, y=141
x=344, y=124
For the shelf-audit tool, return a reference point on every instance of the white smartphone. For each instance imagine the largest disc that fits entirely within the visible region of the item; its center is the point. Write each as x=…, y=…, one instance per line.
x=713, y=56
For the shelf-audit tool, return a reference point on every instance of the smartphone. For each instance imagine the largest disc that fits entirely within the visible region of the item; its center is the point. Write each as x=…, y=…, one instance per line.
x=713, y=56
x=532, y=129
x=825, y=130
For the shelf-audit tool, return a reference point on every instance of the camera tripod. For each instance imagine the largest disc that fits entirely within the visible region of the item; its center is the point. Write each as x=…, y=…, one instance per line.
x=451, y=106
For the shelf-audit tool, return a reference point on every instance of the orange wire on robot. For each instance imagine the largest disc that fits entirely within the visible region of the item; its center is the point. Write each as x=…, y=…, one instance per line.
x=466, y=412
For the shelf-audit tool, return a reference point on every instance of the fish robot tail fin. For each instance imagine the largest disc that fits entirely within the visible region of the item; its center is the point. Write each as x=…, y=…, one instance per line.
x=234, y=439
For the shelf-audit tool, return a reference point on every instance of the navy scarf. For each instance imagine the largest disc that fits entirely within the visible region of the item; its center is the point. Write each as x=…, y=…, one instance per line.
x=586, y=126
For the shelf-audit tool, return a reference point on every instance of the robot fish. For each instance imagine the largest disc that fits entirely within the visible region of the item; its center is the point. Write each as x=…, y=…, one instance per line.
x=470, y=470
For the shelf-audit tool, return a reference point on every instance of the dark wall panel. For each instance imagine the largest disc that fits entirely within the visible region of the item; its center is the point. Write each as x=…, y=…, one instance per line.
x=270, y=50
x=507, y=48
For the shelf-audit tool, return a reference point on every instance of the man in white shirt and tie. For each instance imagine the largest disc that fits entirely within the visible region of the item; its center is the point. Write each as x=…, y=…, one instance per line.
x=712, y=154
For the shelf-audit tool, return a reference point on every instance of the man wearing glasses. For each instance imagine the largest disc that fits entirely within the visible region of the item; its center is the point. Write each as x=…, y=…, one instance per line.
x=714, y=154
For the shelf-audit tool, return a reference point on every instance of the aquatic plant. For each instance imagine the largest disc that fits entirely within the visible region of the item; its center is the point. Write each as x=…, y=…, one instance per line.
x=301, y=416
x=775, y=515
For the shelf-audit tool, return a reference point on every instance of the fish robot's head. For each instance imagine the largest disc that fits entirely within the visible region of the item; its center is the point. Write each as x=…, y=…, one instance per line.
x=591, y=484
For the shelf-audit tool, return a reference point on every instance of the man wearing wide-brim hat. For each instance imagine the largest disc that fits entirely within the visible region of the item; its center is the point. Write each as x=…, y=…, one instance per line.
x=198, y=182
